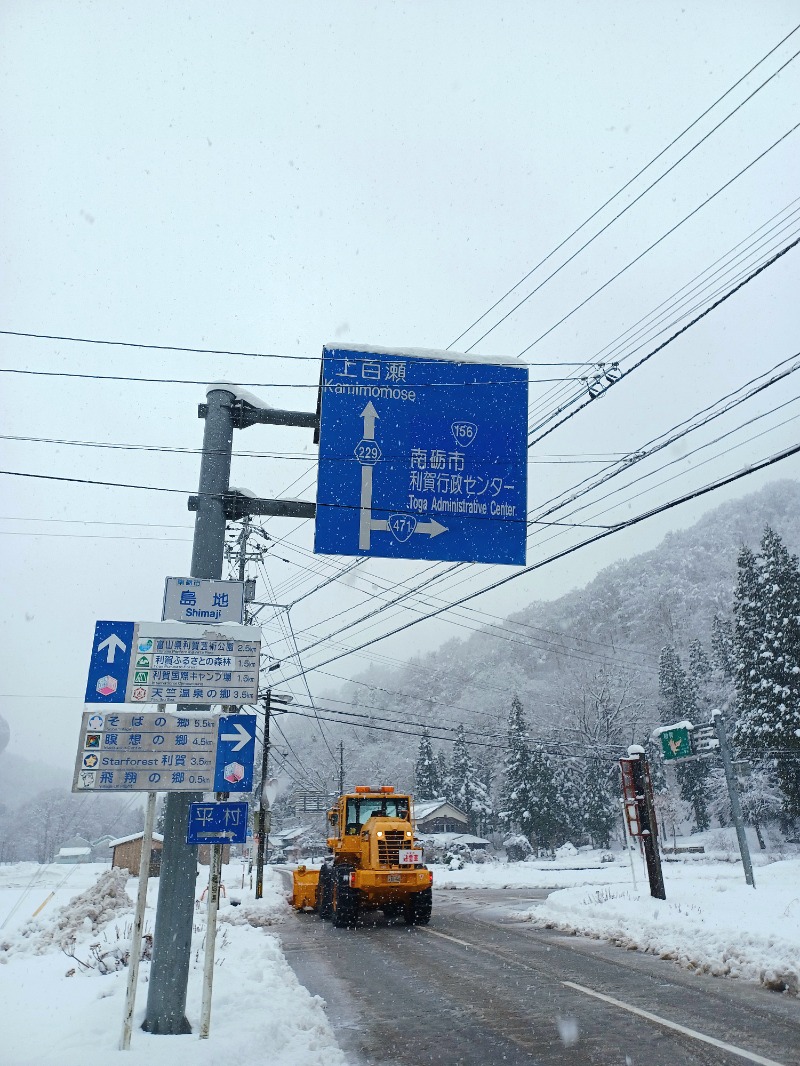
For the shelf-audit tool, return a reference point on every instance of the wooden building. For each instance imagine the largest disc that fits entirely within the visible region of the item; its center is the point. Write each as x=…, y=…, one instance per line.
x=126, y=853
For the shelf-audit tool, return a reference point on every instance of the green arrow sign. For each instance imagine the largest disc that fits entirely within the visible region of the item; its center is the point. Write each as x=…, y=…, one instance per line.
x=676, y=743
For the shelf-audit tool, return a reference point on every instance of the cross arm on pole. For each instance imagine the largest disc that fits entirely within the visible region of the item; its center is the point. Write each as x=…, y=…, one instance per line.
x=236, y=505
x=245, y=414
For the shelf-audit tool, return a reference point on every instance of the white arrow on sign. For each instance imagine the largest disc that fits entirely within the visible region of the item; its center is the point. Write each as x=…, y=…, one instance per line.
x=227, y=834
x=432, y=528
x=239, y=738
x=111, y=645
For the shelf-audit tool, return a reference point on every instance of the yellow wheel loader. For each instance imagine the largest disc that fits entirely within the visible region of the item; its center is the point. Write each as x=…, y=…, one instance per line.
x=374, y=863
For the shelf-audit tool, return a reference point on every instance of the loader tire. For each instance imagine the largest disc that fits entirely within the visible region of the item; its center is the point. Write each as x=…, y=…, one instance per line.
x=324, y=892
x=418, y=908
x=345, y=900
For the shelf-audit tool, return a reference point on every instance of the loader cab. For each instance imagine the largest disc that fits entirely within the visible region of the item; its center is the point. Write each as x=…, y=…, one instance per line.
x=359, y=809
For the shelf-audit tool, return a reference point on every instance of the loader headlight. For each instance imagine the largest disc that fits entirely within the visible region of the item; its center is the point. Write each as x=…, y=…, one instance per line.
x=380, y=833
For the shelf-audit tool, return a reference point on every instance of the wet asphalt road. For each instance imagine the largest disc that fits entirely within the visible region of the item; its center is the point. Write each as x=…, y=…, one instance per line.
x=478, y=987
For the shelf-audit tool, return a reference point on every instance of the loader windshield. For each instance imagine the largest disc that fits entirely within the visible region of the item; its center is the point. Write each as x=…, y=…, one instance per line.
x=359, y=810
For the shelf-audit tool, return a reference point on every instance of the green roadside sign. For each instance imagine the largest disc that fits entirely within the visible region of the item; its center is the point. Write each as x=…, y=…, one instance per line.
x=676, y=743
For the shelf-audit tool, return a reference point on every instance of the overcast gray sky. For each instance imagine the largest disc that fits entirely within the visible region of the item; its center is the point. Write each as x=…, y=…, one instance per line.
x=266, y=177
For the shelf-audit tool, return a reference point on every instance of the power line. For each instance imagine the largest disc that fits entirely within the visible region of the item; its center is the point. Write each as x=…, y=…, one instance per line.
x=685, y=498
x=615, y=349
x=663, y=237
x=619, y=191
x=251, y=384
x=750, y=277
x=219, y=351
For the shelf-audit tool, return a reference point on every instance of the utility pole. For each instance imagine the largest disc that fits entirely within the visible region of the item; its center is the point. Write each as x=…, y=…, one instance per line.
x=172, y=939
x=733, y=792
x=341, y=767
x=263, y=825
x=214, y=504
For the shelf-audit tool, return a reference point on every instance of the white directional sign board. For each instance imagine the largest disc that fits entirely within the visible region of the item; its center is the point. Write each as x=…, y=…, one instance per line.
x=142, y=751
x=173, y=662
x=201, y=600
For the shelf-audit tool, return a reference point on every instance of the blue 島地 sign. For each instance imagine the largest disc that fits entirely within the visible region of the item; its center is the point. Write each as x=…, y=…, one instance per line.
x=110, y=662
x=236, y=745
x=217, y=823
x=421, y=456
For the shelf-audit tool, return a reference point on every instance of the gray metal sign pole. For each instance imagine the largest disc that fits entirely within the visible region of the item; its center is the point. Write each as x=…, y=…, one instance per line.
x=733, y=792
x=172, y=941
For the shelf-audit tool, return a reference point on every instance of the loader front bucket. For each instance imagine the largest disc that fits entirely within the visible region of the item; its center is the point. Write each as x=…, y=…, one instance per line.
x=304, y=888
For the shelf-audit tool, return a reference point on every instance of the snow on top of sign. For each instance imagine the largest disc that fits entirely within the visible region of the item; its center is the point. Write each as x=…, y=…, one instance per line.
x=245, y=492
x=241, y=394
x=134, y=836
x=425, y=353
x=676, y=725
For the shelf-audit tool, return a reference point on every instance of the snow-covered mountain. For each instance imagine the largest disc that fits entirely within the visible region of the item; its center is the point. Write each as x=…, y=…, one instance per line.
x=550, y=653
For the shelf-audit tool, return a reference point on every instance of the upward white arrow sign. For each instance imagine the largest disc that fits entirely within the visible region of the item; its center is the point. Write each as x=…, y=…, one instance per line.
x=241, y=736
x=369, y=414
x=111, y=645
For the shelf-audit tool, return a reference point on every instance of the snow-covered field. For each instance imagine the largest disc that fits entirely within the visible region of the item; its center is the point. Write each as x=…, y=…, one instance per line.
x=56, y=1011
x=710, y=922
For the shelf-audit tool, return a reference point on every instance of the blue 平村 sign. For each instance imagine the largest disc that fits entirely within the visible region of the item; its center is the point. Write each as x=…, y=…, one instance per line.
x=236, y=745
x=422, y=455
x=217, y=823
x=110, y=662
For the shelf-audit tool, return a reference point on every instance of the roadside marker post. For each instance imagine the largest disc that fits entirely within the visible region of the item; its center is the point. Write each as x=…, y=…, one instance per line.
x=135, y=951
x=214, y=881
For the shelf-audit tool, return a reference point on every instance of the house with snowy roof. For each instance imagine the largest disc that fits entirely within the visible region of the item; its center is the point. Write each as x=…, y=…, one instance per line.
x=439, y=816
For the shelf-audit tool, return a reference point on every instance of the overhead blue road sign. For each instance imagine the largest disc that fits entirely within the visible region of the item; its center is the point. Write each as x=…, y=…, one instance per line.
x=110, y=662
x=217, y=823
x=422, y=455
x=236, y=745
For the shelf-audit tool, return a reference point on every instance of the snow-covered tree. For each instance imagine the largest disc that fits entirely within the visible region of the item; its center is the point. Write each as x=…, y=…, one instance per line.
x=699, y=664
x=516, y=798
x=723, y=656
x=426, y=771
x=767, y=609
x=443, y=775
x=598, y=801
x=761, y=797
x=549, y=791
x=466, y=789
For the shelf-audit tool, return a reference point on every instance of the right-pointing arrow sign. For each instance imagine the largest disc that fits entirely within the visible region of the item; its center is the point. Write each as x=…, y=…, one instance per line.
x=432, y=528
x=403, y=526
x=239, y=738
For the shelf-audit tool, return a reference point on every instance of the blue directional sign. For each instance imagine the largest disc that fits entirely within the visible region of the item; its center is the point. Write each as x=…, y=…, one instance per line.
x=217, y=823
x=110, y=662
x=236, y=745
x=422, y=455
